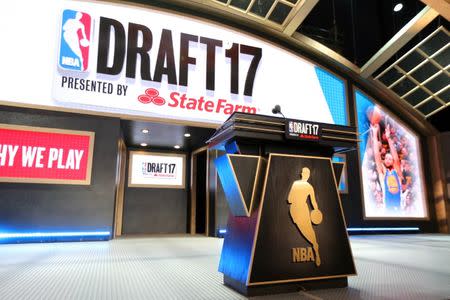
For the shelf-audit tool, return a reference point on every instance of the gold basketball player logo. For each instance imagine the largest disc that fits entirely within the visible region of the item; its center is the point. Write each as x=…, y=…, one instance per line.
x=301, y=215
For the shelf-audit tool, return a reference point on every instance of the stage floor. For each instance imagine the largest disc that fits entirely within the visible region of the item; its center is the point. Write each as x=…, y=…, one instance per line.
x=389, y=267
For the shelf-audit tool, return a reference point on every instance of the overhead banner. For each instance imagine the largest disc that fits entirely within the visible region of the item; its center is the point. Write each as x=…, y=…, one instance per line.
x=45, y=155
x=156, y=170
x=147, y=62
x=391, y=164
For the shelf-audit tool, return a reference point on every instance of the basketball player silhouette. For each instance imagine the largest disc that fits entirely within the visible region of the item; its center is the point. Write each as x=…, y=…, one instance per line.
x=70, y=35
x=300, y=191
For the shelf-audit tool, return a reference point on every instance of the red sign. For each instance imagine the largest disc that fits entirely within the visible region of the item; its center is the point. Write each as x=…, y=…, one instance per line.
x=45, y=155
x=151, y=95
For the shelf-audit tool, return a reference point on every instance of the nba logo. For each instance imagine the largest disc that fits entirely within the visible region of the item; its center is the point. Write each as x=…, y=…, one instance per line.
x=75, y=40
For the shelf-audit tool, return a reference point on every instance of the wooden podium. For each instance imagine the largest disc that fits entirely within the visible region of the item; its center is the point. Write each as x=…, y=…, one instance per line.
x=286, y=230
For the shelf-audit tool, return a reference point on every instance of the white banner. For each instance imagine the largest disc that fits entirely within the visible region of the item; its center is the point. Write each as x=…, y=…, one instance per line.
x=168, y=66
x=114, y=58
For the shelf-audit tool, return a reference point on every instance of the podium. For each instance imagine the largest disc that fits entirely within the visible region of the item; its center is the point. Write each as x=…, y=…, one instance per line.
x=286, y=229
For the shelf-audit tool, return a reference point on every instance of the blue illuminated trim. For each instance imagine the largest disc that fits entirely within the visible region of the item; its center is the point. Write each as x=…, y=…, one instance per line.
x=222, y=231
x=368, y=229
x=53, y=234
x=333, y=89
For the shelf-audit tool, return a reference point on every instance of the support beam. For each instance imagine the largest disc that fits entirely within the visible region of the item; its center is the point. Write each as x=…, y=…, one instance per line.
x=400, y=39
x=300, y=14
x=441, y=6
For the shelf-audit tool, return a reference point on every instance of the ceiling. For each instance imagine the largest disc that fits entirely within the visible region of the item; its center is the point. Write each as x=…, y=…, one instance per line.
x=421, y=77
x=368, y=37
x=164, y=136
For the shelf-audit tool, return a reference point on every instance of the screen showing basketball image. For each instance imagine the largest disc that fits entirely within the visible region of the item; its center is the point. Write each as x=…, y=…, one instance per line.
x=391, y=164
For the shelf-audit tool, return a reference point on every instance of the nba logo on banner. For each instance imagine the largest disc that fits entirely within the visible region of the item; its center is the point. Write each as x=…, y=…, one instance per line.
x=75, y=40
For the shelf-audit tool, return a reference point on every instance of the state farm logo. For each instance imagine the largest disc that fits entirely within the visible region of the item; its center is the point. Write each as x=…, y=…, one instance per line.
x=183, y=101
x=151, y=96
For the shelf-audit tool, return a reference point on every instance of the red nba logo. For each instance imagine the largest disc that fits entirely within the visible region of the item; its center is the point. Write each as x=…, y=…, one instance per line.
x=75, y=40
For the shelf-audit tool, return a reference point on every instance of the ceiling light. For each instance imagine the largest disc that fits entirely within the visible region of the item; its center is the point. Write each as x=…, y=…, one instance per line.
x=187, y=134
x=144, y=130
x=177, y=146
x=398, y=7
x=144, y=144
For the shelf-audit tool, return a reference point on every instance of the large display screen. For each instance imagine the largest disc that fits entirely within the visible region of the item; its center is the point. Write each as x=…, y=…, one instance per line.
x=156, y=170
x=390, y=164
x=45, y=155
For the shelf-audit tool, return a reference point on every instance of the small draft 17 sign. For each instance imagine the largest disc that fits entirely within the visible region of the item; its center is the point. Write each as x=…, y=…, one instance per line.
x=302, y=130
x=45, y=155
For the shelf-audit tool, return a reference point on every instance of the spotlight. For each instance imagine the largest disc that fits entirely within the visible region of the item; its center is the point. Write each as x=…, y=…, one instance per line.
x=144, y=130
x=221, y=233
x=187, y=134
x=144, y=144
x=398, y=7
x=177, y=146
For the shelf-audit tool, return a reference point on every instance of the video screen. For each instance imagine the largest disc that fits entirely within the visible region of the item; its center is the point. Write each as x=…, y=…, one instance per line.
x=391, y=164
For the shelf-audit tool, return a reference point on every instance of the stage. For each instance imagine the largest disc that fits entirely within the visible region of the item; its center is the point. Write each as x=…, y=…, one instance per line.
x=185, y=267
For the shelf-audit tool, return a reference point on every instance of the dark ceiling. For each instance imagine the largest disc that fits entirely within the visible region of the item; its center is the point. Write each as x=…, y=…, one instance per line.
x=358, y=29
x=441, y=120
x=164, y=136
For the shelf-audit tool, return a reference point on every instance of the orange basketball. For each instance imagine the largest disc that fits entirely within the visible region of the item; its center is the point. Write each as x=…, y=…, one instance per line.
x=316, y=217
x=375, y=117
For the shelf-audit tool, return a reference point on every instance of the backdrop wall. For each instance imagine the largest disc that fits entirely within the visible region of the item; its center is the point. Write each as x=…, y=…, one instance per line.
x=55, y=208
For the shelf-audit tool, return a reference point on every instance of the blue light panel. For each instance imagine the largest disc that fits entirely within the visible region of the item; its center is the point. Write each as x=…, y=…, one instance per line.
x=374, y=229
x=333, y=89
x=53, y=234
